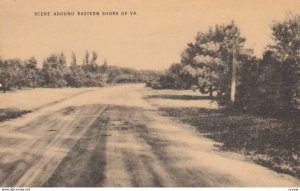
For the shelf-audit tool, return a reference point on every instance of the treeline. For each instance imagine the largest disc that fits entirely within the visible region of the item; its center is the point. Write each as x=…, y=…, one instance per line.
x=56, y=73
x=270, y=84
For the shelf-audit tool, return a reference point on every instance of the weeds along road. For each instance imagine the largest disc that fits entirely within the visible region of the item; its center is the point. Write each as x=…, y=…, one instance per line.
x=113, y=137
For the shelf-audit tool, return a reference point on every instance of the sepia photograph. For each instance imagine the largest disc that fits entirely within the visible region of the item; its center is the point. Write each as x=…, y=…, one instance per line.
x=161, y=93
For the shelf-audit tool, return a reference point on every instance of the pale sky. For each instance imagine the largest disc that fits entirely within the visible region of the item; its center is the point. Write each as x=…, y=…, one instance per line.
x=153, y=39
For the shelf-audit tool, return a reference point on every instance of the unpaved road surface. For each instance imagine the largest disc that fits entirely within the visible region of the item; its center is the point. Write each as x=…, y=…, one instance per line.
x=113, y=137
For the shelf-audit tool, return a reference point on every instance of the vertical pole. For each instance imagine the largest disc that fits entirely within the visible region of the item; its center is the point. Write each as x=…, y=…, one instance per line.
x=233, y=75
x=5, y=76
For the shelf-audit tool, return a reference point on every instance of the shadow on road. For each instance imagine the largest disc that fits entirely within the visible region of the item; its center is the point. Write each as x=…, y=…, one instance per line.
x=271, y=142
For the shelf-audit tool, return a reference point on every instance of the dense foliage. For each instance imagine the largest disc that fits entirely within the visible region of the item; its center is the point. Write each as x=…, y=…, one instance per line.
x=55, y=73
x=271, y=84
x=268, y=84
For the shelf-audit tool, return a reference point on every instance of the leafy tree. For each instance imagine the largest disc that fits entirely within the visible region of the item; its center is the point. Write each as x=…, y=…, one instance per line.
x=214, y=58
x=16, y=74
x=31, y=72
x=207, y=62
x=54, y=71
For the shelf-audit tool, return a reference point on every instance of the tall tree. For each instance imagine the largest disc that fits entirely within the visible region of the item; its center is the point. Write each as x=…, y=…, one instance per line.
x=86, y=59
x=94, y=58
x=213, y=58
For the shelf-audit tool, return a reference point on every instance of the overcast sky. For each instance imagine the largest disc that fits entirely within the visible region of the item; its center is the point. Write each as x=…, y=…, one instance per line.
x=153, y=39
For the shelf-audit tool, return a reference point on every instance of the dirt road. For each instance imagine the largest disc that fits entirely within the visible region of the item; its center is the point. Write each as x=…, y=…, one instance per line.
x=113, y=137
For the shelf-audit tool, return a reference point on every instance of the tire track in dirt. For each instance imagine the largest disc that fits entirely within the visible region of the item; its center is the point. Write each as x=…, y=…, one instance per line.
x=130, y=161
x=33, y=150
x=45, y=152
x=149, y=164
x=35, y=175
x=84, y=166
x=60, y=100
x=30, y=157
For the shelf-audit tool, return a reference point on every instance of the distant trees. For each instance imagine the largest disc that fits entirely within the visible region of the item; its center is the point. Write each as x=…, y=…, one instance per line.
x=12, y=73
x=31, y=73
x=76, y=74
x=5, y=75
x=55, y=73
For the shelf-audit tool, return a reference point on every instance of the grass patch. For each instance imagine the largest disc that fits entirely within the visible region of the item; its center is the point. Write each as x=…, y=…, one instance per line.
x=11, y=113
x=274, y=143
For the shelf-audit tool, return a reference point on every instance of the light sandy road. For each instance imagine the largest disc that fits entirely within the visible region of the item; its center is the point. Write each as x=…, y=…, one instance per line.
x=113, y=137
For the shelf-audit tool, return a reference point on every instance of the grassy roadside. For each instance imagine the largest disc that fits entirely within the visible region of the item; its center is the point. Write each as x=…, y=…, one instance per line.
x=274, y=143
x=11, y=113
x=13, y=108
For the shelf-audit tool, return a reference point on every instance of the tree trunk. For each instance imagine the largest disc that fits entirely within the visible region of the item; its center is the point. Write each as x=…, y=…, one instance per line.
x=233, y=74
x=210, y=91
x=3, y=86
